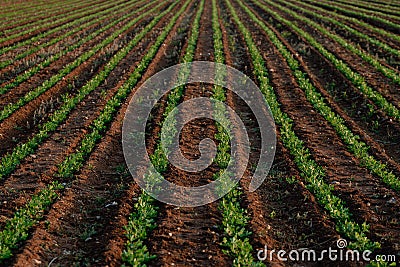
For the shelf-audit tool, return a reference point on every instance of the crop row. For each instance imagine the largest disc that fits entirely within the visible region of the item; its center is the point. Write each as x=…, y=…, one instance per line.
x=41, y=35
x=92, y=19
x=17, y=228
x=32, y=13
x=312, y=173
x=11, y=160
x=35, y=69
x=349, y=29
x=366, y=8
x=375, y=7
x=355, y=14
x=388, y=72
x=389, y=3
x=27, y=8
x=56, y=20
x=234, y=217
x=353, y=20
x=142, y=220
x=356, y=146
x=25, y=20
x=31, y=95
x=355, y=78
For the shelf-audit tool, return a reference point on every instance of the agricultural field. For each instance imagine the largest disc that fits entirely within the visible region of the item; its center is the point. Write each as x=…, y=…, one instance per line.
x=327, y=70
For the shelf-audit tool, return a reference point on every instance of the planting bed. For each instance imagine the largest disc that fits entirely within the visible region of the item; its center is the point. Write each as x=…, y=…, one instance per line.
x=329, y=71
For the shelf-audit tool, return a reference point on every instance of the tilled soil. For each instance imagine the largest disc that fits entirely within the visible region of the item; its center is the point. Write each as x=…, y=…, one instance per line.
x=364, y=193
x=85, y=226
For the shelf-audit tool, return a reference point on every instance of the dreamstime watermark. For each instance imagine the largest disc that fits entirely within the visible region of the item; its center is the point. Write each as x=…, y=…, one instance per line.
x=338, y=253
x=147, y=97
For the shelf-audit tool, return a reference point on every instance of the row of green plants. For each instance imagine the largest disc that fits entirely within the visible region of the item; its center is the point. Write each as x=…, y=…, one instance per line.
x=39, y=36
x=17, y=228
x=56, y=20
x=367, y=9
x=356, y=21
x=351, y=13
x=353, y=142
x=313, y=174
x=26, y=9
x=388, y=72
x=142, y=220
x=235, y=219
x=349, y=29
x=373, y=6
x=32, y=94
x=24, y=19
x=11, y=160
x=355, y=78
x=47, y=61
x=91, y=20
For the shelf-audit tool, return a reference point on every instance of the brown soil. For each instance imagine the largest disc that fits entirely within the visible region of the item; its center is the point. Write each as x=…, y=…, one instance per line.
x=190, y=236
x=347, y=101
x=39, y=31
x=28, y=18
x=372, y=76
x=279, y=210
x=84, y=208
x=389, y=41
x=386, y=57
x=22, y=123
x=17, y=67
x=85, y=226
x=368, y=20
x=365, y=195
x=41, y=166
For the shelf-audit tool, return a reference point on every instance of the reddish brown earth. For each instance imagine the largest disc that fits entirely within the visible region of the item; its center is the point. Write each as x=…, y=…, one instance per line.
x=85, y=226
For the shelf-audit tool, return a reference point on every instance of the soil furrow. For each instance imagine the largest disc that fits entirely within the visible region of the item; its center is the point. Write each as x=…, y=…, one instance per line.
x=18, y=66
x=365, y=194
x=86, y=225
x=373, y=77
x=360, y=16
x=34, y=18
x=367, y=46
x=44, y=74
x=23, y=123
x=190, y=236
x=284, y=215
x=39, y=31
x=41, y=166
x=364, y=119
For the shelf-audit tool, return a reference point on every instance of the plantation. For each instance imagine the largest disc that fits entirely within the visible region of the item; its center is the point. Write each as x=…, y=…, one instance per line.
x=327, y=70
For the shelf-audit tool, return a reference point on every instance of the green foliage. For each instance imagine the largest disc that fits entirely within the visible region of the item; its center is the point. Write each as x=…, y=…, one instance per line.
x=46, y=85
x=388, y=72
x=345, y=27
x=354, y=77
x=96, y=17
x=64, y=20
x=353, y=13
x=353, y=142
x=18, y=227
x=11, y=160
x=139, y=225
x=310, y=170
x=234, y=217
x=142, y=221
